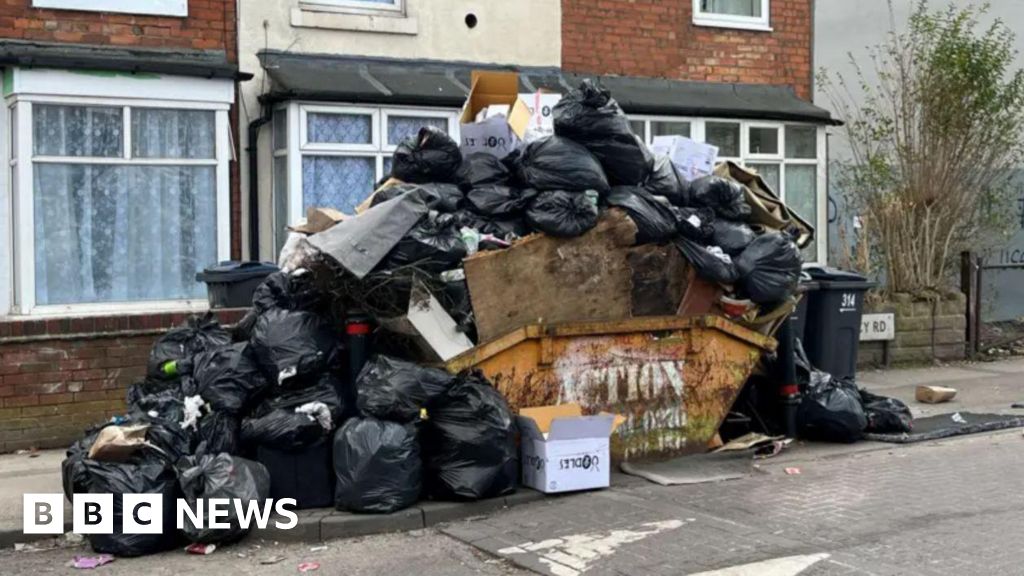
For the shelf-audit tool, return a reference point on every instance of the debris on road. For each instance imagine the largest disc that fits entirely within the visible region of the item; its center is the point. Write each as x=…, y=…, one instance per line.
x=91, y=562
x=934, y=394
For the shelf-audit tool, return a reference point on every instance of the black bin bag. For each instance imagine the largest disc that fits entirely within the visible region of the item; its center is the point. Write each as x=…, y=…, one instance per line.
x=434, y=245
x=590, y=116
x=469, y=443
x=429, y=156
x=276, y=424
x=211, y=476
x=655, y=220
x=393, y=389
x=484, y=169
x=496, y=200
x=725, y=197
x=198, y=335
x=563, y=214
x=709, y=265
x=228, y=378
x=732, y=237
x=217, y=432
x=555, y=163
x=886, y=415
x=293, y=345
x=696, y=224
x=377, y=465
x=770, y=268
x=831, y=411
x=664, y=180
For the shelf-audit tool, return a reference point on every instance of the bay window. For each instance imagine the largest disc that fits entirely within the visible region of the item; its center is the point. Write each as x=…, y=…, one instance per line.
x=789, y=157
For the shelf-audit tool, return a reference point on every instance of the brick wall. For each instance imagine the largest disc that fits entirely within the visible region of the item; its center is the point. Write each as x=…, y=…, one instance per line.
x=925, y=332
x=61, y=376
x=658, y=39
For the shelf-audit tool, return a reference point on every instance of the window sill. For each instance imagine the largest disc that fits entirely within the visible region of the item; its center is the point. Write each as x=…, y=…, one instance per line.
x=749, y=26
x=331, y=20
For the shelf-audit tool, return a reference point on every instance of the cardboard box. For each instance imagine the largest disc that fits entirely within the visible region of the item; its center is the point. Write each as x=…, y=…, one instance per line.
x=541, y=105
x=564, y=451
x=693, y=159
x=495, y=134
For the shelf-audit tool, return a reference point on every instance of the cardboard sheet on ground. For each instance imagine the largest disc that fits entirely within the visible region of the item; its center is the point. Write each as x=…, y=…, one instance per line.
x=359, y=244
x=696, y=469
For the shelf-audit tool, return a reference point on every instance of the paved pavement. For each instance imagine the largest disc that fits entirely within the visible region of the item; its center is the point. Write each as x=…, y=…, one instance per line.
x=949, y=507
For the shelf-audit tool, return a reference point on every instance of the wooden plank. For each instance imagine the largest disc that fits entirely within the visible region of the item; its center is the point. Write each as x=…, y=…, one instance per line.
x=659, y=277
x=546, y=280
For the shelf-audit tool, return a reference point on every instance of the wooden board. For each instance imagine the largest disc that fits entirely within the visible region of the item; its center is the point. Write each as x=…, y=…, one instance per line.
x=659, y=278
x=549, y=280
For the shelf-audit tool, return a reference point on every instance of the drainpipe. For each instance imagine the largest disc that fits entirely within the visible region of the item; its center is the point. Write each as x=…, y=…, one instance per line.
x=254, y=186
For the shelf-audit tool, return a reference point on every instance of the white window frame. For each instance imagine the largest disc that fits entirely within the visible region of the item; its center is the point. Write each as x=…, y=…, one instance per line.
x=712, y=19
x=698, y=133
x=177, y=8
x=23, y=158
x=394, y=8
x=299, y=146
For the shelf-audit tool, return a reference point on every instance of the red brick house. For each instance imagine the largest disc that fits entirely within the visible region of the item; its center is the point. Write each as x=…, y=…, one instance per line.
x=117, y=129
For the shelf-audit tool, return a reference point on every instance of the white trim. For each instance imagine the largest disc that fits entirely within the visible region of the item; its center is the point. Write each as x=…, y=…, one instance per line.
x=295, y=199
x=178, y=8
x=103, y=308
x=24, y=243
x=223, y=153
x=756, y=23
x=127, y=101
x=821, y=231
x=779, y=140
x=85, y=85
x=94, y=160
x=394, y=8
x=387, y=113
x=372, y=146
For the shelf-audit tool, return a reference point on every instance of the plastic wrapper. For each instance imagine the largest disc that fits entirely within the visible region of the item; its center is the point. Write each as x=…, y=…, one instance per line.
x=429, y=156
x=485, y=169
x=437, y=196
x=469, y=443
x=498, y=201
x=590, y=116
x=655, y=221
x=198, y=335
x=434, y=245
x=556, y=163
x=770, y=268
x=393, y=389
x=725, y=197
x=664, y=180
x=831, y=411
x=222, y=476
x=377, y=465
x=228, y=378
x=711, y=266
x=293, y=345
x=562, y=214
x=732, y=237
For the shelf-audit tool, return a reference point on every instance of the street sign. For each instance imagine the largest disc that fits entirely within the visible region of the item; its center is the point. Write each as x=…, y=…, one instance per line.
x=878, y=327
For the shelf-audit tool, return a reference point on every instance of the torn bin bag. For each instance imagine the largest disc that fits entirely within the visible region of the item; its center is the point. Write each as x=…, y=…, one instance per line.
x=198, y=335
x=429, y=156
x=377, y=466
x=732, y=237
x=555, y=163
x=291, y=345
x=469, y=443
x=725, y=197
x=655, y=221
x=886, y=415
x=222, y=476
x=770, y=268
x=710, y=263
x=832, y=412
x=392, y=389
x=433, y=246
x=563, y=214
x=228, y=378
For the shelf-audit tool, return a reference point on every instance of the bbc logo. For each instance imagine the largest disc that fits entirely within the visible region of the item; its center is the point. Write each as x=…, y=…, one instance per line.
x=44, y=514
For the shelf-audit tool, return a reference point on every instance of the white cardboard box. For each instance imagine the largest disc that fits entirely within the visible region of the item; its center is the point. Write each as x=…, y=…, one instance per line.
x=564, y=451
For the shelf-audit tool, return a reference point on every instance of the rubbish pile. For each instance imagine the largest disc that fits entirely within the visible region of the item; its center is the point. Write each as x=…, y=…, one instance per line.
x=331, y=390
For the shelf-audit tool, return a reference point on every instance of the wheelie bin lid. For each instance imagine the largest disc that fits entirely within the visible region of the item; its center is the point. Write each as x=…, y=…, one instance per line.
x=234, y=271
x=828, y=277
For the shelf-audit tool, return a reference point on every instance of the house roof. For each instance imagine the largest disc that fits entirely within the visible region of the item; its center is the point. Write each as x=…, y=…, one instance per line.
x=182, y=62
x=357, y=79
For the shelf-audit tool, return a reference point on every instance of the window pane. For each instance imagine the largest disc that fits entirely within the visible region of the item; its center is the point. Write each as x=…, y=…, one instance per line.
x=123, y=233
x=769, y=173
x=732, y=7
x=402, y=127
x=725, y=135
x=637, y=126
x=660, y=128
x=339, y=182
x=280, y=129
x=802, y=198
x=801, y=142
x=280, y=202
x=78, y=131
x=340, y=128
x=163, y=133
x=764, y=140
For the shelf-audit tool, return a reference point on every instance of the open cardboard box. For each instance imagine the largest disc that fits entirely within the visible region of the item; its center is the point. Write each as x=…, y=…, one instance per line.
x=495, y=135
x=565, y=451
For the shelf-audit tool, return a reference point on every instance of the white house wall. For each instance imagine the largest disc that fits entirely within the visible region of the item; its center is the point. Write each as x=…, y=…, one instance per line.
x=522, y=32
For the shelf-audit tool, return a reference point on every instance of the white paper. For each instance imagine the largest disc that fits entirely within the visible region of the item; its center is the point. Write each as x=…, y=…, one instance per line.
x=541, y=105
x=693, y=159
x=493, y=136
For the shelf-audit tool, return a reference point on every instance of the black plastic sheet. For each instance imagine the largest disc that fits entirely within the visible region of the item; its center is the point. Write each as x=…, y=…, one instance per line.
x=655, y=221
x=228, y=378
x=664, y=180
x=437, y=196
x=497, y=201
x=831, y=411
x=725, y=197
x=485, y=169
x=433, y=246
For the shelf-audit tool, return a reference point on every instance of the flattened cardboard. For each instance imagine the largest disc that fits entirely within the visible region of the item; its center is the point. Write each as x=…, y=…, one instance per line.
x=318, y=220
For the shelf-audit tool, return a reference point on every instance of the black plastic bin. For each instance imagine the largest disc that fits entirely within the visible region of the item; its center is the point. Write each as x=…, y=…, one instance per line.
x=834, y=311
x=305, y=475
x=231, y=284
